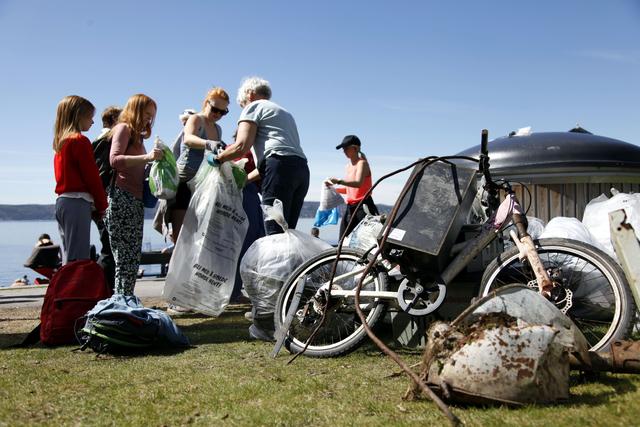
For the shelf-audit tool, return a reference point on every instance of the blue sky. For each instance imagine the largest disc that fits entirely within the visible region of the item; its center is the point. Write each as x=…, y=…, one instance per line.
x=412, y=79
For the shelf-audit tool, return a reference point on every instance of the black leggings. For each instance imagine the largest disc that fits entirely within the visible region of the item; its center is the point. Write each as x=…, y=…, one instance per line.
x=359, y=215
x=285, y=178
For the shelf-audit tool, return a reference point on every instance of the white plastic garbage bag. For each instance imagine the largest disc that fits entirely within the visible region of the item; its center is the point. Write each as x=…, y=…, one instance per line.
x=271, y=259
x=203, y=265
x=329, y=198
x=535, y=227
x=328, y=212
x=365, y=235
x=596, y=216
x=569, y=228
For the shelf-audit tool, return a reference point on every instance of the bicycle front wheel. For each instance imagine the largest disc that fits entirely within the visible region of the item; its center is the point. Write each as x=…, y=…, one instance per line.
x=601, y=303
x=341, y=331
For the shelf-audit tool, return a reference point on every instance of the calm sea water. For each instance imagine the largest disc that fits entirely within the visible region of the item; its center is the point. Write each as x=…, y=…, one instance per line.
x=17, y=239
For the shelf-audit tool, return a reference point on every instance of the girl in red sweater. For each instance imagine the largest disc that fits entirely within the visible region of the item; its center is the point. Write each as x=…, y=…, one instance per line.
x=78, y=184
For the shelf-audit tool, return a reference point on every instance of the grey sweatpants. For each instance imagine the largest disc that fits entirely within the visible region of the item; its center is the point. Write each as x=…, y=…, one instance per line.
x=74, y=223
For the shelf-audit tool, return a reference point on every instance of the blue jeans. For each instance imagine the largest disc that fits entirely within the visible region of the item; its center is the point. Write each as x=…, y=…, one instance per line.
x=251, y=206
x=285, y=178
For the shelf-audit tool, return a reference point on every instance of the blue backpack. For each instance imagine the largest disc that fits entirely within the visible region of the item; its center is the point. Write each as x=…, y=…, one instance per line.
x=122, y=324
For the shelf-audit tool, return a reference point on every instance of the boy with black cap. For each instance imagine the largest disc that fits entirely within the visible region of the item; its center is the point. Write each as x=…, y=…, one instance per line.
x=356, y=184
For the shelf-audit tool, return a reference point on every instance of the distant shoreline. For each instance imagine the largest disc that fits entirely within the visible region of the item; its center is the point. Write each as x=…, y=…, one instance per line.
x=33, y=212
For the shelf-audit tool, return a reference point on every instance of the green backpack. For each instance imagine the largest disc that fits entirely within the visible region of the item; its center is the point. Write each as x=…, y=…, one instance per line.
x=121, y=324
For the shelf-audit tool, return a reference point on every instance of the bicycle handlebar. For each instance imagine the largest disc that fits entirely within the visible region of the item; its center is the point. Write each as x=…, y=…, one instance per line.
x=484, y=160
x=484, y=144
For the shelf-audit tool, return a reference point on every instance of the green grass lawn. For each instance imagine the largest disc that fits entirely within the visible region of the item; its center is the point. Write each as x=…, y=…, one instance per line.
x=225, y=379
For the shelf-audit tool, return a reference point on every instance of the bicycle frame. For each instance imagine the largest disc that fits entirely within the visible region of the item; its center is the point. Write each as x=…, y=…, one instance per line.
x=472, y=248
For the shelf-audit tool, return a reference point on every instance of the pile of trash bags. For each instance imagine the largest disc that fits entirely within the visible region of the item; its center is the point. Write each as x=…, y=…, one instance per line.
x=594, y=227
x=596, y=216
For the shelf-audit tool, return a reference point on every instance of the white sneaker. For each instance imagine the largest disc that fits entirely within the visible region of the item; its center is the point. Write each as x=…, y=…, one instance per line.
x=249, y=316
x=259, y=334
x=176, y=309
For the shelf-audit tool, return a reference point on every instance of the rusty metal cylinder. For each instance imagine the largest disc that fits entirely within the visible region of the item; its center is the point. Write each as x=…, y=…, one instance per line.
x=622, y=357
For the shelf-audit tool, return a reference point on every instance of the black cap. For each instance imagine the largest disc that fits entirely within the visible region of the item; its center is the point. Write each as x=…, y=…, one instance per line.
x=349, y=140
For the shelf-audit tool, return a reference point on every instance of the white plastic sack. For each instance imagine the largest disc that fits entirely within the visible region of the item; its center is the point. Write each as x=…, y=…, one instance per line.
x=163, y=176
x=203, y=171
x=535, y=228
x=203, y=265
x=596, y=216
x=569, y=228
x=329, y=198
x=365, y=235
x=237, y=167
x=270, y=260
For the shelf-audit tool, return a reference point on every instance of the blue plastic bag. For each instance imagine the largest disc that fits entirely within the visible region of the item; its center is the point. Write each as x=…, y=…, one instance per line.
x=326, y=217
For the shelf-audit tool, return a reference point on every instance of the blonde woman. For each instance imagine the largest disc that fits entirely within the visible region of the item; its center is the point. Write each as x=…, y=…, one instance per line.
x=272, y=132
x=125, y=215
x=78, y=184
x=201, y=131
x=355, y=185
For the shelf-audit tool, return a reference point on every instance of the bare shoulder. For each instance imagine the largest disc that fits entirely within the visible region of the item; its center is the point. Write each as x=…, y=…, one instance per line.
x=194, y=119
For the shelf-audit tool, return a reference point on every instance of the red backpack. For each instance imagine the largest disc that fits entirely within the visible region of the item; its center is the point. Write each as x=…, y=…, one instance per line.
x=74, y=290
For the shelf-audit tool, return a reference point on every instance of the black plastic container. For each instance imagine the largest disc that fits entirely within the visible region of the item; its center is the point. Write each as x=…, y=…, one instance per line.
x=431, y=215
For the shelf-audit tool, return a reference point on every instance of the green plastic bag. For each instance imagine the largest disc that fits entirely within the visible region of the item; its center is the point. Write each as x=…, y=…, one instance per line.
x=239, y=175
x=163, y=177
x=237, y=169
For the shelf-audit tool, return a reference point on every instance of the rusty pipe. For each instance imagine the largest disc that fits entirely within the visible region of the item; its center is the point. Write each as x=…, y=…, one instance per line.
x=621, y=357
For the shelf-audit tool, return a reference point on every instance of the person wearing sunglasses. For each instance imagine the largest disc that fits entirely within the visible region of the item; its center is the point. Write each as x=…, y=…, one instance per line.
x=272, y=132
x=201, y=132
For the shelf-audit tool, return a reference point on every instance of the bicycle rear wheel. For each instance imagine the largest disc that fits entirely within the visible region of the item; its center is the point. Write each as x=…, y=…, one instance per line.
x=602, y=306
x=341, y=331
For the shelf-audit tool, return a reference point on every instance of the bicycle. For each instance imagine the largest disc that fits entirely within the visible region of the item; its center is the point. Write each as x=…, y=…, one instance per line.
x=316, y=312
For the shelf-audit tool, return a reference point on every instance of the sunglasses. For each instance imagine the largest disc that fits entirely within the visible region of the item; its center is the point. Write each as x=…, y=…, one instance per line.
x=218, y=110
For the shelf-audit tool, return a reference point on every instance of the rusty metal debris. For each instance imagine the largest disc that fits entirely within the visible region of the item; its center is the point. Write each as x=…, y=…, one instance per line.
x=621, y=357
x=526, y=304
x=501, y=359
x=511, y=347
x=514, y=347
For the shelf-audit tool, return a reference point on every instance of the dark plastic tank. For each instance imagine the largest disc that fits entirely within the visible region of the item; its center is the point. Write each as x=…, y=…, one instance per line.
x=576, y=153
